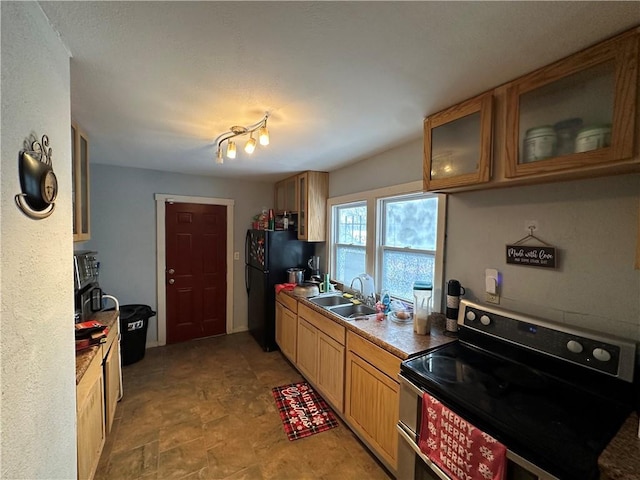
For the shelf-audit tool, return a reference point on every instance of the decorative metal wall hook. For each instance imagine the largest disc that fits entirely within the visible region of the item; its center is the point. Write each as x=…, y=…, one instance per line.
x=37, y=180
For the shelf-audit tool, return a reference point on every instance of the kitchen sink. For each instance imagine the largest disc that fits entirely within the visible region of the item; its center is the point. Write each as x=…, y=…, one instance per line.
x=330, y=301
x=353, y=311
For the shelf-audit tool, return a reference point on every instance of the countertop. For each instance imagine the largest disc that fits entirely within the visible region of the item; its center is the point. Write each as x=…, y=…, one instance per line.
x=398, y=339
x=84, y=357
x=621, y=459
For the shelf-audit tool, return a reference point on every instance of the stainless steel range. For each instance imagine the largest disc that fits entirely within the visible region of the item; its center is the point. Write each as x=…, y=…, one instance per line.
x=552, y=394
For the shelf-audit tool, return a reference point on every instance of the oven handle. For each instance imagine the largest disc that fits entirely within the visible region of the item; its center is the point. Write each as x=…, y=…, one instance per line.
x=407, y=438
x=411, y=385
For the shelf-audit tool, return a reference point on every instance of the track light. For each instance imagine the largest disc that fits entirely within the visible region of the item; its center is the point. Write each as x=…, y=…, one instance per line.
x=236, y=131
x=251, y=145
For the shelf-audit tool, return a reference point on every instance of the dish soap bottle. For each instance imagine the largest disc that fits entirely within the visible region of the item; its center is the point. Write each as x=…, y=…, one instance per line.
x=386, y=302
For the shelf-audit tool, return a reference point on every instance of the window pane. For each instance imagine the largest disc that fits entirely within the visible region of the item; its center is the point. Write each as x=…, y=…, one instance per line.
x=411, y=223
x=351, y=227
x=401, y=269
x=350, y=263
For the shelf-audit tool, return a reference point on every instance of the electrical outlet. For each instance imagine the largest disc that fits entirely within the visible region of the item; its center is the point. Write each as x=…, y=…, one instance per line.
x=492, y=298
x=236, y=255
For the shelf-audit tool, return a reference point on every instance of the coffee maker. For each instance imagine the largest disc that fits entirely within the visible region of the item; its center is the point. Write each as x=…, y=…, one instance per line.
x=314, y=267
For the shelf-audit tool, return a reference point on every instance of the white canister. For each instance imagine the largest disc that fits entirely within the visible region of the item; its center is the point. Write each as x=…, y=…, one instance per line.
x=593, y=137
x=540, y=143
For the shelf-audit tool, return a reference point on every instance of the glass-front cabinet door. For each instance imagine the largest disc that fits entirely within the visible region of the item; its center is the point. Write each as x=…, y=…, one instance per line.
x=577, y=112
x=457, y=144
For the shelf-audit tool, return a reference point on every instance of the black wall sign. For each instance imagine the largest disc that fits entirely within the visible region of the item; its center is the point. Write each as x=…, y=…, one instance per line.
x=531, y=256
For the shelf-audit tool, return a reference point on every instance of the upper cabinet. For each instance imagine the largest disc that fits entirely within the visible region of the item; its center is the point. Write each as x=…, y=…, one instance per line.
x=577, y=112
x=457, y=144
x=286, y=195
x=313, y=190
x=80, y=185
x=576, y=118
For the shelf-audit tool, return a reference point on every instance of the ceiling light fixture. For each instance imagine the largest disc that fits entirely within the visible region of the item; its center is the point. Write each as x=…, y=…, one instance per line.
x=237, y=131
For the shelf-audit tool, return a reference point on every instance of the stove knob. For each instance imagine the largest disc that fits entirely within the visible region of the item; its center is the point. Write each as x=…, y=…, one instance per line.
x=573, y=346
x=471, y=315
x=485, y=320
x=601, y=354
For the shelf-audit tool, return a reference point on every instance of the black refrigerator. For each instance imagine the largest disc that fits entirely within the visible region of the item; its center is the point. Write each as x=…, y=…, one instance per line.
x=268, y=254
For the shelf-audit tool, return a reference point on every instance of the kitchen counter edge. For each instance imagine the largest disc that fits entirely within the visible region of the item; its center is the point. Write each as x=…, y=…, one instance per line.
x=84, y=357
x=621, y=459
x=397, y=339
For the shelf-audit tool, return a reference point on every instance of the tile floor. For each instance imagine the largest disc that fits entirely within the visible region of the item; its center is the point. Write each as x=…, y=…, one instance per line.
x=204, y=410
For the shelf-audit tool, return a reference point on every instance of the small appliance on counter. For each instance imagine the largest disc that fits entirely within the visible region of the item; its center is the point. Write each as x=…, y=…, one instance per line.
x=87, y=291
x=454, y=292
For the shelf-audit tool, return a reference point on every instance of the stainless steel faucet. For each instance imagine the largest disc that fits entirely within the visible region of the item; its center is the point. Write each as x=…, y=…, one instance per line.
x=360, y=293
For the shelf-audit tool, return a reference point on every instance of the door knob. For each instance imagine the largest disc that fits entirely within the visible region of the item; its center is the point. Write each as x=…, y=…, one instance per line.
x=171, y=281
x=171, y=271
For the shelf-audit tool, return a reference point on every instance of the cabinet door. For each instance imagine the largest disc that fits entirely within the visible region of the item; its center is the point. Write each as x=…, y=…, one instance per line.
x=279, y=197
x=457, y=144
x=291, y=194
x=331, y=370
x=307, y=361
x=371, y=407
x=279, y=320
x=316, y=206
x=574, y=114
x=289, y=334
x=90, y=420
x=303, y=183
x=80, y=169
x=112, y=382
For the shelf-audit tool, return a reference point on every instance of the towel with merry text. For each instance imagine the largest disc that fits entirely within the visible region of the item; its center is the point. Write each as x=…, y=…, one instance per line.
x=461, y=450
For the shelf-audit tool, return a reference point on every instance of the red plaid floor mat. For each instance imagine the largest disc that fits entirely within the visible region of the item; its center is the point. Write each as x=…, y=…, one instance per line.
x=302, y=410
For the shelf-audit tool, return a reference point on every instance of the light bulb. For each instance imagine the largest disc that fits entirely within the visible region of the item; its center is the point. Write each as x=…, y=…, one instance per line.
x=219, y=158
x=231, y=150
x=263, y=134
x=250, y=146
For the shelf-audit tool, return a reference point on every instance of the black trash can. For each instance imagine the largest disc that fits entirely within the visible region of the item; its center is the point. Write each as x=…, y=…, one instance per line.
x=134, y=321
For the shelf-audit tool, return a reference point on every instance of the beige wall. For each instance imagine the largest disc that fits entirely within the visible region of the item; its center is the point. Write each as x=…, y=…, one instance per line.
x=37, y=416
x=593, y=223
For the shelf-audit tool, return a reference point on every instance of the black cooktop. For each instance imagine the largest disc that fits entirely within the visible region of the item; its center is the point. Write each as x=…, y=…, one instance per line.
x=539, y=413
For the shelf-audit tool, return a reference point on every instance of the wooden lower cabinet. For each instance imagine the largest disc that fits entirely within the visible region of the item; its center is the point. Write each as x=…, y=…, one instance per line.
x=321, y=355
x=307, y=350
x=287, y=327
x=111, y=380
x=91, y=433
x=330, y=378
x=372, y=396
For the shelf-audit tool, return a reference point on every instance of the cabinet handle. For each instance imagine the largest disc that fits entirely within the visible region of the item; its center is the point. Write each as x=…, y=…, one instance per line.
x=171, y=281
x=171, y=271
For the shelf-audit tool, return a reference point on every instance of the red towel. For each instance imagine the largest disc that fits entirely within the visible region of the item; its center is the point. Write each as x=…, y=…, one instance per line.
x=284, y=286
x=461, y=450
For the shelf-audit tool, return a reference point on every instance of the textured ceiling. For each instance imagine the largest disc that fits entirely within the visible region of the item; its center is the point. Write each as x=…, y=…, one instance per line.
x=154, y=83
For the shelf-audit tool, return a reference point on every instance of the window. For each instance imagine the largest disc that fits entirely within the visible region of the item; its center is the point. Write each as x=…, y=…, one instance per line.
x=395, y=234
x=350, y=240
x=407, y=242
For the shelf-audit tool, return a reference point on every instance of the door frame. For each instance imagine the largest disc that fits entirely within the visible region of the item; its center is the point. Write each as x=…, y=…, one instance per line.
x=161, y=267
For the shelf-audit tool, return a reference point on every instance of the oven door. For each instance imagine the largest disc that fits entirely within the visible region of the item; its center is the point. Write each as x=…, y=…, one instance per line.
x=415, y=465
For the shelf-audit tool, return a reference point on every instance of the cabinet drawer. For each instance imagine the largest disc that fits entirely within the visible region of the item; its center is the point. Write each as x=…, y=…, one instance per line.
x=322, y=323
x=289, y=302
x=384, y=361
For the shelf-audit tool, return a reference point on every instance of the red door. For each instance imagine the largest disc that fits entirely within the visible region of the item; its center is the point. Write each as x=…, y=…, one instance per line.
x=196, y=288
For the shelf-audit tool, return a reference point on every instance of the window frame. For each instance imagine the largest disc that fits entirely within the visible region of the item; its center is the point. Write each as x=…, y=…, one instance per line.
x=333, y=232
x=373, y=252
x=382, y=224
